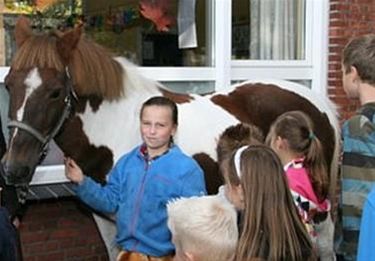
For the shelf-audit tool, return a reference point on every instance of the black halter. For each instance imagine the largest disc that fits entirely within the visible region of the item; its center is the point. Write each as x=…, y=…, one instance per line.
x=45, y=140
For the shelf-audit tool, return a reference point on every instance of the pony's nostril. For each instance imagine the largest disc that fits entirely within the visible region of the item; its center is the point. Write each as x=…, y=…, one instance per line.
x=15, y=175
x=4, y=169
x=5, y=173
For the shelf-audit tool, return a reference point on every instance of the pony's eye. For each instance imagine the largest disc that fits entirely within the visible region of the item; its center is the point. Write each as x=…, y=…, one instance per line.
x=55, y=94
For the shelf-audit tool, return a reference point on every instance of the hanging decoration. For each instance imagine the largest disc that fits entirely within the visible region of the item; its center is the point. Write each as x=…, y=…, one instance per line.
x=21, y=7
x=41, y=5
x=115, y=19
x=158, y=12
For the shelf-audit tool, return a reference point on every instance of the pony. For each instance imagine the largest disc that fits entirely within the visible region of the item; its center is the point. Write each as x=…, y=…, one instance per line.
x=63, y=86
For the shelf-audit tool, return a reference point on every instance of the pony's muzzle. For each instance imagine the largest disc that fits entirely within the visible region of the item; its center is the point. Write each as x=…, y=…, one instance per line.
x=15, y=174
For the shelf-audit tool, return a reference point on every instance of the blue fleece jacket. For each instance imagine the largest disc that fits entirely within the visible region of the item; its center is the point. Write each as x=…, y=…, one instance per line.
x=138, y=191
x=366, y=250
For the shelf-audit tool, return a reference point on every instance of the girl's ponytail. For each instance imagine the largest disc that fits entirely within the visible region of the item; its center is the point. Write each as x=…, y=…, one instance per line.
x=315, y=162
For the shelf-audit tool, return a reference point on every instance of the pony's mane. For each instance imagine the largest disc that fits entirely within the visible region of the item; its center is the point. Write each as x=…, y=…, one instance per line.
x=92, y=68
x=39, y=51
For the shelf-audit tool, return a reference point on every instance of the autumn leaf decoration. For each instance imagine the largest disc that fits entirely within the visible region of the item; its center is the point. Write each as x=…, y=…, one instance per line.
x=158, y=13
x=44, y=4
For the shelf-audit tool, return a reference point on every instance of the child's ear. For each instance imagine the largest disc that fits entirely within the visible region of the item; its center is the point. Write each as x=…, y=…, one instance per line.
x=354, y=74
x=240, y=193
x=240, y=199
x=280, y=143
x=174, y=130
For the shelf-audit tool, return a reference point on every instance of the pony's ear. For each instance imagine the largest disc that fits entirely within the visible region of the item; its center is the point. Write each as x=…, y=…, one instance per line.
x=22, y=30
x=68, y=42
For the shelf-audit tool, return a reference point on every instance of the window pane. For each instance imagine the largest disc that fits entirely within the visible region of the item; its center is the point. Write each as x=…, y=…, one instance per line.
x=197, y=87
x=148, y=32
x=268, y=29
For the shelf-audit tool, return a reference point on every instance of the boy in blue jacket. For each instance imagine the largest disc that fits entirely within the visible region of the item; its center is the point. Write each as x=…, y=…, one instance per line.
x=142, y=182
x=366, y=249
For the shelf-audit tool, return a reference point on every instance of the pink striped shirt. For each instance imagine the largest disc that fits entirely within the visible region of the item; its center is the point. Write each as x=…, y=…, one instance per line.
x=299, y=181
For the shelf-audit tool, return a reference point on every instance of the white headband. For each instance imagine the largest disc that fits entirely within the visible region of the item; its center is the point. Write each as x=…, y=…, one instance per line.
x=237, y=159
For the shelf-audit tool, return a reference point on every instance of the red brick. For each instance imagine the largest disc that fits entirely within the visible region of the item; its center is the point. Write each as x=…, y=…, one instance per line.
x=32, y=237
x=51, y=246
x=57, y=230
x=58, y=256
x=78, y=251
x=347, y=19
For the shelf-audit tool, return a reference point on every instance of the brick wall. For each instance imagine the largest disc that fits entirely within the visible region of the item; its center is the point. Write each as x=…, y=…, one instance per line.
x=348, y=18
x=60, y=230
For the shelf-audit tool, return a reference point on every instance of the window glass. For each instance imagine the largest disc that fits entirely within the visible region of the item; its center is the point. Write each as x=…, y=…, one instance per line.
x=4, y=101
x=148, y=32
x=268, y=29
x=306, y=83
x=197, y=87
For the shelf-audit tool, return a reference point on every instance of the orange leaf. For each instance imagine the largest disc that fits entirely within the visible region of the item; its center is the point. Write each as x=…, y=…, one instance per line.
x=157, y=13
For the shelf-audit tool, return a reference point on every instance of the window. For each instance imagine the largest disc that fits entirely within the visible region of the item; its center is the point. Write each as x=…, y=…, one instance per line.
x=4, y=100
x=286, y=39
x=130, y=28
x=268, y=29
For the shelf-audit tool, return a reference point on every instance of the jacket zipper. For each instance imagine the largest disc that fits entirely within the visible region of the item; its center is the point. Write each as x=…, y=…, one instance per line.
x=138, y=202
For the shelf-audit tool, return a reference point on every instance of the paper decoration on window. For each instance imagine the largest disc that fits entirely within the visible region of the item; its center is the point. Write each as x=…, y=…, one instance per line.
x=187, y=32
x=44, y=4
x=158, y=12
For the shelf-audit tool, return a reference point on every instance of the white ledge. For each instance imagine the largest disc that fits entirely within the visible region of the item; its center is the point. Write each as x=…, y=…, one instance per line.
x=52, y=174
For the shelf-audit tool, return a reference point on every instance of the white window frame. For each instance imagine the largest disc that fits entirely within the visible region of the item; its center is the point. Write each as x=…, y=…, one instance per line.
x=219, y=14
x=313, y=68
x=315, y=65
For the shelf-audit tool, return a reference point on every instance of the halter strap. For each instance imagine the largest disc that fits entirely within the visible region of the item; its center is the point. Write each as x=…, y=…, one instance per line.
x=28, y=129
x=64, y=116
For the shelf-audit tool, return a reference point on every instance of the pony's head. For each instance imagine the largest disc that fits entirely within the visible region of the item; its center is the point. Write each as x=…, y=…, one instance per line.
x=47, y=71
x=40, y=90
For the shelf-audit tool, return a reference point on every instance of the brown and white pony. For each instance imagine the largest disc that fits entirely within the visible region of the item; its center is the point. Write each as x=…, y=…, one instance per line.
x=67, y=88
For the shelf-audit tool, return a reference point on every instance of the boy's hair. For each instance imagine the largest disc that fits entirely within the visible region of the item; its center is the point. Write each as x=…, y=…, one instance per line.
x=360, y=53
x=237, y=136
x=205, y=227
x=162, y=101
x=298, y=130
x=270, y=224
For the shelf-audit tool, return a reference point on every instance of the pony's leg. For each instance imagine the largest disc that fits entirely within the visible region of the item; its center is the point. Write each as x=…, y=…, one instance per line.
x=107, y=229
x=325, y=233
